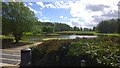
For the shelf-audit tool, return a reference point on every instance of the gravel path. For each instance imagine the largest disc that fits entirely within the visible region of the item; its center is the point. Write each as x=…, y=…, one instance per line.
x=11, y=56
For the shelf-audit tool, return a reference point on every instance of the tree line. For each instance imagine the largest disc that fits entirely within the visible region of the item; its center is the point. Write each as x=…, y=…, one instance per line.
x=109, y=26
x=49, y=27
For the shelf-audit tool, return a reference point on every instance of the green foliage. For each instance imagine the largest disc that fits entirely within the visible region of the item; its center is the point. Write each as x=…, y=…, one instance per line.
x=75, y=28
x=109, y=26
x=48, y=29
x=16, y=19
x=61, y=27
x=103, y=51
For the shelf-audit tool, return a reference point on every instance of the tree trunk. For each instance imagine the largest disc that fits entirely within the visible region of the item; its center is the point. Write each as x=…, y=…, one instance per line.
x=17, y=37
x=16, y=40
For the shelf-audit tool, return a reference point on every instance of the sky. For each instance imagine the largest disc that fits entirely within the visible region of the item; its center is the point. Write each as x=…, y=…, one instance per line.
x=80, y=13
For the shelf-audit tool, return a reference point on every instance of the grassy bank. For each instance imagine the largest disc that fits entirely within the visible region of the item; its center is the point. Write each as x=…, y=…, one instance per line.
x=76, y=32
x=107, y=34
x=86, y=33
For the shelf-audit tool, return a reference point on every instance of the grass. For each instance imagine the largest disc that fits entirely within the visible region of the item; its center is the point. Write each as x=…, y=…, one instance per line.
x=6, y=36
x=107, y=34
x=88, y=33
x=77, y=32
x=45, y=39
x=52, y=34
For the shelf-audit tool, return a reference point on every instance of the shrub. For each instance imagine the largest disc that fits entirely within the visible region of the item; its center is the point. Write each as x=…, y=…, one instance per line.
x=7, y=40
x=101, y=51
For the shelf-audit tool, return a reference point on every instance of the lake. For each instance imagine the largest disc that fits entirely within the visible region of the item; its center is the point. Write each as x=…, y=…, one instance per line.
x=35, y=38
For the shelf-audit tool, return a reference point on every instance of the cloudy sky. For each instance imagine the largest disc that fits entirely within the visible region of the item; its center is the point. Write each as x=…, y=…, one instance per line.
x=81, y=13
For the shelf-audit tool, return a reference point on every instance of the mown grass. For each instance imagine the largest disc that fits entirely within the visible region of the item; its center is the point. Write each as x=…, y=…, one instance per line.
x=107, y=34
x=76, y=32
x=88, y=33
x=45, y=39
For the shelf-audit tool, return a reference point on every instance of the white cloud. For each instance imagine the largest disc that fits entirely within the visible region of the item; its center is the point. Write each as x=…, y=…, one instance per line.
x=32, y=10
x=65, y=17
x=56, y=4
x=30, y=4
x=61, y=4
x=40, y=13
x=50, y=6
x=96, y=11
x=41, y=4
x=78, y=11
x=25, y=4
x=40, y=20
x=61, y=16
x=46, y=20
x=45, y=17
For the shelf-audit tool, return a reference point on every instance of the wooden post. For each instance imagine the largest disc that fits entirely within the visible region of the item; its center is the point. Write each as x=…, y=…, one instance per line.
x=83, y=63
x=25, y=57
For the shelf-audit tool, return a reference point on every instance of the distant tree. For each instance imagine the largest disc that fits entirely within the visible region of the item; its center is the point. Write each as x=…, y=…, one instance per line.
x=17, y=19
x=89, y=29
x=75, y=28
x=86, y=29
x=48, y=29
x=62, y=27
x=80, y=29
x=108, y=26
x=94, y=29
x=37, y=28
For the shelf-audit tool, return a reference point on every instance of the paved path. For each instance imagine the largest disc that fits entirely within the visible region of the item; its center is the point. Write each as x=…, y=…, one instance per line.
x=11, y=56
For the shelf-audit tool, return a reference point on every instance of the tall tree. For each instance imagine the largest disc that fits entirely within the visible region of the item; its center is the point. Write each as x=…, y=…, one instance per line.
x=75, y=28
x=109, y=26
x=48, y=29
x=17, y=19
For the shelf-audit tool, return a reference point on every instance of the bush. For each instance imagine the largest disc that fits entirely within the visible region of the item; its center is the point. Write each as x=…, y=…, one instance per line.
x=7, y=40
x=101, y=51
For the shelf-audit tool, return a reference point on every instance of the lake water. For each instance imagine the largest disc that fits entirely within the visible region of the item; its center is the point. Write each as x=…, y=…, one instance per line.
x=61, y=36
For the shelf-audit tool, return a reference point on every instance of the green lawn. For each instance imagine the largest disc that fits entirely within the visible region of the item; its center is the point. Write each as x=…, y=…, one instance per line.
x=45, y=39
x=77, y=32
x=88, y=33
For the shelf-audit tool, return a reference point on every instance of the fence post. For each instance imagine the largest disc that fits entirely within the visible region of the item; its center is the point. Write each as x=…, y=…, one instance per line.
x=83, y=63
x=25, y=57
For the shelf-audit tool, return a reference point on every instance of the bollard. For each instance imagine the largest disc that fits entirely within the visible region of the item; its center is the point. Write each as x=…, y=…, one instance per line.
x=25, y=57
x=83, y=63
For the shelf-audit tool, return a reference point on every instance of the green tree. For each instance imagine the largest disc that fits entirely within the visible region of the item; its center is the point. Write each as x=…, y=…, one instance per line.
x=108, y=26
x=86, y=29
x=48, y=29
x=17, y=19
x=94, y=28
x=81, y=29
x=75, y=28
x=62, y=27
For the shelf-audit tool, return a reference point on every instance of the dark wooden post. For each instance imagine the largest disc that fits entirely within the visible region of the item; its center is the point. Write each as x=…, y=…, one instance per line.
x=83, y=63
x=25, y=57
